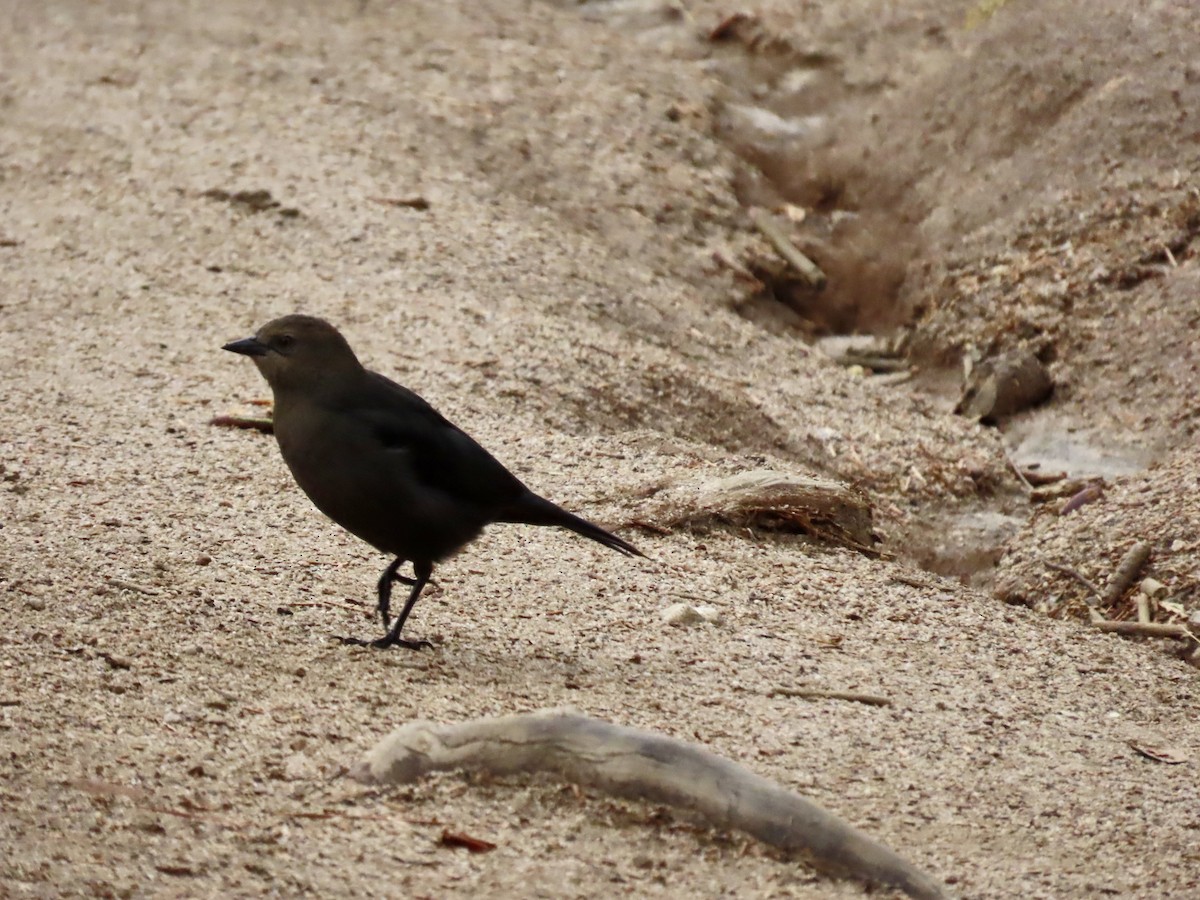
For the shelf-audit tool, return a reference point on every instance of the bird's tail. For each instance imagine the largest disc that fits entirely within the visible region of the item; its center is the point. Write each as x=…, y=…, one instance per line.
x=534, y=510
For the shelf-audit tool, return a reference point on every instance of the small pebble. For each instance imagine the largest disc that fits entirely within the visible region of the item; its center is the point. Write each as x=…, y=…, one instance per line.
x=683, y=614
x=36, y=603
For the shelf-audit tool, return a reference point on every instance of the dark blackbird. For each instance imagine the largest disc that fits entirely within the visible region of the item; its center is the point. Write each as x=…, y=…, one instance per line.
x=384, y=464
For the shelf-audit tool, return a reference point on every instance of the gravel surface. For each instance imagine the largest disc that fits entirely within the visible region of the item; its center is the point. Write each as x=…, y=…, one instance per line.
x=175, y=719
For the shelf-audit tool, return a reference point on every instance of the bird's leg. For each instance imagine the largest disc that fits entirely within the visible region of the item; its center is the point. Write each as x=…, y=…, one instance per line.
x=423, y=571
x=390, y=574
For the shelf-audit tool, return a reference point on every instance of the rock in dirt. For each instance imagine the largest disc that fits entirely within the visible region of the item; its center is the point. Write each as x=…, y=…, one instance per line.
x=685, y=614
x=1007, y=384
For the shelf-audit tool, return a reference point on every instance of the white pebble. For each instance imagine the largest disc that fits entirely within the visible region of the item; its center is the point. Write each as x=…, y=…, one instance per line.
x=683, y=614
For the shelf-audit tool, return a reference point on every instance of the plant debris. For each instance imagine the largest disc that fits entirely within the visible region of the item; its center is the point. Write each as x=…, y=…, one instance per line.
x=458, y=839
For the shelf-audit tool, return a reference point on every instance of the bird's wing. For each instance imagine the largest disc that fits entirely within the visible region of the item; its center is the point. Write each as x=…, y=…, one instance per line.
x=441, y=455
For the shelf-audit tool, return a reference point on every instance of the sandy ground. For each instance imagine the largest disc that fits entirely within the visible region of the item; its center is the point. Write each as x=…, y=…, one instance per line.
x=174, y=717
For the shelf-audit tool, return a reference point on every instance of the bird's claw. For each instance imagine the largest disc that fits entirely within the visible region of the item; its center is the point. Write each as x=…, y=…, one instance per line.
x=383, y=643
x=402, y=642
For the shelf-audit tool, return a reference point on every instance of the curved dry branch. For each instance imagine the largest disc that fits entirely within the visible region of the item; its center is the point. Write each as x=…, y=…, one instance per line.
x=647, y=766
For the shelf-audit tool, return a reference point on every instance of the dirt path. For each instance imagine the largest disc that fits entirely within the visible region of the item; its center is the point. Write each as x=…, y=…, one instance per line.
x=174, y=719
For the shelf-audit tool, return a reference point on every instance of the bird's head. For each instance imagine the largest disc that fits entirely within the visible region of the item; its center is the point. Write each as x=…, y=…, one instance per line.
x=298, y=353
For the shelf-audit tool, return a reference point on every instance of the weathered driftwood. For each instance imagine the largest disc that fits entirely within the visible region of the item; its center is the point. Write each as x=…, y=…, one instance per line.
x=767, y=499
x=646, y=766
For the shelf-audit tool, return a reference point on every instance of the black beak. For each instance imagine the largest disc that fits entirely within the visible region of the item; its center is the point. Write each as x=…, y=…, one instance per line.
x=248, y=347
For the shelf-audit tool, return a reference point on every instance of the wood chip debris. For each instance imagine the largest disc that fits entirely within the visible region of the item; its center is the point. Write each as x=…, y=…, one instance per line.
x=458, y=839
x=417, y=203
x=255, y=201
x=804, y=693
x=266, y=426
x=1172, y=756
x=1089, y=494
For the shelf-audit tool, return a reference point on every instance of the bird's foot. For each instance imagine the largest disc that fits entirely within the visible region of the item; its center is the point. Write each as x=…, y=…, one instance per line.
x=384, y=643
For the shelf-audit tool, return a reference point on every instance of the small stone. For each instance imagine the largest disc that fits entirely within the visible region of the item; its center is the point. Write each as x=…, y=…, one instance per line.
x=683, y=614
x=116, y=662
x=203, y=559
x=36, y=603
x=1153, y=588
x=297, y=767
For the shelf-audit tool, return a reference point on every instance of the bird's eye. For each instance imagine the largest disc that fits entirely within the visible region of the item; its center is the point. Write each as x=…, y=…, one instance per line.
x=284, y=342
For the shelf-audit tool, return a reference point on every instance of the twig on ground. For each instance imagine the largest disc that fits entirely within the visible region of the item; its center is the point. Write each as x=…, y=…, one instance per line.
x=876, y=362
x=722, y=258
x=323, y=604
x=1146, y=629
x=822, y=694
x=1012, y=464
x=417, y=203
x=805, y=267
x=911, y=581
x=266, y=426
x=143, y=799
x=1088, y=494
x=648, y=526
x=458, y=839
x=1086, y=582
x=1038, y=478
x=123, y=585
x=887, y=379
